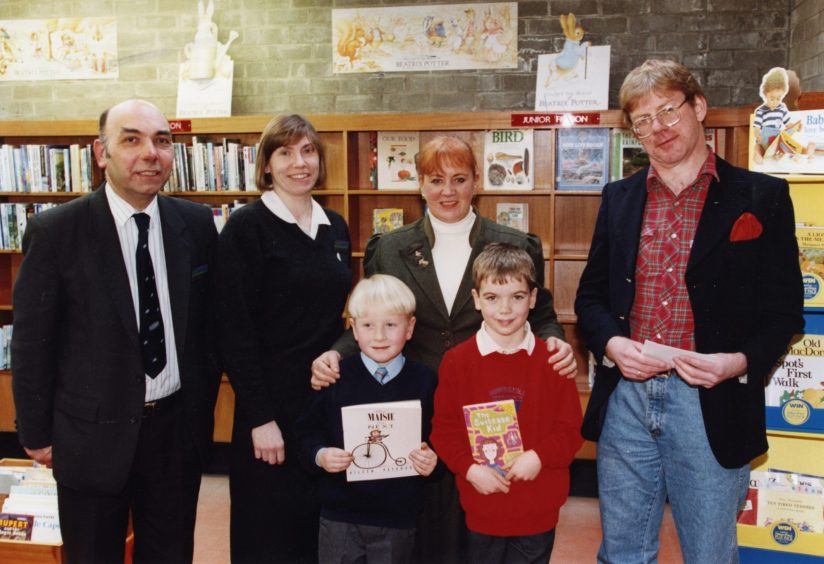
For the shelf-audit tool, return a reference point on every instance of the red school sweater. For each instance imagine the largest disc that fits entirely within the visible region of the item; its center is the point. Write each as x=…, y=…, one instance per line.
x=549, y=416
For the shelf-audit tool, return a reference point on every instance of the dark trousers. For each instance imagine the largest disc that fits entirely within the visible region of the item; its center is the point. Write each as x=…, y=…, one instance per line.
x=161, y=494
x=441, y=530
x=527, y=549
x=275, y=509
x=348, y=543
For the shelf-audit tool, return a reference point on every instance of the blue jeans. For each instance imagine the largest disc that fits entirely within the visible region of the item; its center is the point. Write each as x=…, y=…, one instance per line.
x=653, y=445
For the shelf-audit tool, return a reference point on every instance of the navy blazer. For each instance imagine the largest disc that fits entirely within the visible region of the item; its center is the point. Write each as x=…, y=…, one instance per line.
x=78, y=375
x=746, y=296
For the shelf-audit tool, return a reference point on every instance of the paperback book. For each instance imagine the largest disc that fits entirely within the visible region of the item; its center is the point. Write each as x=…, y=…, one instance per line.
x=396, y=160
x=628, y=156
x=380, y=437
x=795, y=148
x=811, y=260
x=494, y=434
x=385, y=220
x=16, y=527
x=508, y=159
x=582, y=158
x=514, y=215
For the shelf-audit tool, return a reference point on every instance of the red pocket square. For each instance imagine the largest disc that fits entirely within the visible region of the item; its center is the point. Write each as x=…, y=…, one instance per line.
x=746, y=227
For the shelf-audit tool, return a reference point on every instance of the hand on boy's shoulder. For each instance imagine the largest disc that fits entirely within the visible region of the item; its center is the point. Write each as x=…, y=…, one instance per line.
x=525, y=467
x=561, y=357
x=325, y=370
x=423, y=460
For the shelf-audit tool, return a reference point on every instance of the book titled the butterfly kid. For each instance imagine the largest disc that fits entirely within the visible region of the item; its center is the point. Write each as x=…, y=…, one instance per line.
x=494, y=434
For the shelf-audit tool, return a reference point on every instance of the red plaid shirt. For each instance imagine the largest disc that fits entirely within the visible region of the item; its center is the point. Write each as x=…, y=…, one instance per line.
x=661, y=311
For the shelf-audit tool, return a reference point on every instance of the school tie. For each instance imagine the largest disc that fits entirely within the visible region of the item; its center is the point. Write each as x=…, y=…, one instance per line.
x=152, y=341
x=381, y=373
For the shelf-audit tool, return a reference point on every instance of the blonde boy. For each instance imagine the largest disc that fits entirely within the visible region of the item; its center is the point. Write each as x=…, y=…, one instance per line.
x=372, y=521
x=511, y=517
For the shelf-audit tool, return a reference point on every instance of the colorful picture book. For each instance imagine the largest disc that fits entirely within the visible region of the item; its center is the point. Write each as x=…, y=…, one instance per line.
x=16, y=527
x=380, y=437
x=811, y=260
x=508, y=159
x=777, y=496
x=575, y=80
x=396, y=160
x=795, y=391
x=628, y=156
x=494, y=434
x=514, y=215
x=385, y=220
x=794, y=148
x=583, y=158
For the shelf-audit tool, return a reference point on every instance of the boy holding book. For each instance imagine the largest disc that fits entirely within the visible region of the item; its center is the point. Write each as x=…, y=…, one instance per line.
x=374, y=520
x=511, y=517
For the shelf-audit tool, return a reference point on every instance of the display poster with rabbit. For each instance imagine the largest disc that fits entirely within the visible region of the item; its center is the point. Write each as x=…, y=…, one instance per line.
x=425, y=38
x=380, y=437
x=577, y=78
x=784, y=141
x=58, y=49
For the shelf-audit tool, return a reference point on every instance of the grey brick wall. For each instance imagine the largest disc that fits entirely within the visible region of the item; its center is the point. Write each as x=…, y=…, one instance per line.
x=283, y=57
x=807, y=43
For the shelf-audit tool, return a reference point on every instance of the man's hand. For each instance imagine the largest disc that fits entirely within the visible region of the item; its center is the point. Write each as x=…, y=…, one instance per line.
x=333, y=459
x=325, y=370
x=486, y=480
x=525, y=466
x=710, y=372
x=40, y=455
x=626, y=353
x=268, y=443
x=561, y=357
x=423, y=460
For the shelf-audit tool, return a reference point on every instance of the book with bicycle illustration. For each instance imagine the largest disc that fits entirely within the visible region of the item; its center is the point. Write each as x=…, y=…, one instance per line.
x=494, y=434
x=380, y=437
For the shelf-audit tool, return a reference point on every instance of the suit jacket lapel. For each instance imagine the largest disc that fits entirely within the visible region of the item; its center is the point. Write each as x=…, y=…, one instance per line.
x=630, y=211
x=109, y=258
x=721, y=209
x=178, y=267
x=416, y=255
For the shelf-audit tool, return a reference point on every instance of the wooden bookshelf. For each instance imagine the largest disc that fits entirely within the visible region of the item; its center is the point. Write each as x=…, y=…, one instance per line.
x=564, y=220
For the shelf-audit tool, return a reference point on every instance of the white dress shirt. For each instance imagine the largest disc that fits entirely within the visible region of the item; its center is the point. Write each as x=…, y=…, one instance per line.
x=168, y=381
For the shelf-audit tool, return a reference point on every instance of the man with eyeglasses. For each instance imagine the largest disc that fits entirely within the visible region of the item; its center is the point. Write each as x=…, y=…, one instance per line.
x=700, y=255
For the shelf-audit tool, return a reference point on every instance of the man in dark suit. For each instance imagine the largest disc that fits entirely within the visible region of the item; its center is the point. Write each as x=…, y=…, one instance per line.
x=114, y=380
x=696, y=254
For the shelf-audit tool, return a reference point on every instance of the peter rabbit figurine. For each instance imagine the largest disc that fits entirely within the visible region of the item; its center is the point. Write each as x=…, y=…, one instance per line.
x=566, y=62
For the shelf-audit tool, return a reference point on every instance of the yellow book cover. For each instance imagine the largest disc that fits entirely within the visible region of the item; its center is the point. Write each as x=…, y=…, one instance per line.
x=494, y=434
x=811, y=259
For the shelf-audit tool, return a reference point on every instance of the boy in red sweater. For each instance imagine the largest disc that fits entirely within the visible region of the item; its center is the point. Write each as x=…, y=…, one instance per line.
x=511, y=516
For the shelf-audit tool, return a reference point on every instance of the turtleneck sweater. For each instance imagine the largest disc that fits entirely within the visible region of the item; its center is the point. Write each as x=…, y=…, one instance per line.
x=451, y=254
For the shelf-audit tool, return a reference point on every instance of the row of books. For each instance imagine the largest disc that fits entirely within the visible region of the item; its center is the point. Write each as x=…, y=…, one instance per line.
x=777, y=496
x=5, y=347
x=586, y=158
x=213, y=166
x=29, y=513
x=46, y=168
x=13, y=220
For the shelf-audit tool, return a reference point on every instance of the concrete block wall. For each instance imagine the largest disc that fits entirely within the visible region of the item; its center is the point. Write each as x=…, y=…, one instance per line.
x=807, y=43
x=283, y=56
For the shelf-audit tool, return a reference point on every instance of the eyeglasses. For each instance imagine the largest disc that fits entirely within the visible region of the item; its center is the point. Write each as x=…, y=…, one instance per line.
x=668, y=117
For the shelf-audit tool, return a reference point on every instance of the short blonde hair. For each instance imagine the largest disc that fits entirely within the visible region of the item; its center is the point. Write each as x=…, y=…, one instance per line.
x=500, y=262
x=381, y=292
x=657, y=75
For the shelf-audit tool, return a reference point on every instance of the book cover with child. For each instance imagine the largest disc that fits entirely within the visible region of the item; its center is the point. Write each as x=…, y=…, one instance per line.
x=494, y=434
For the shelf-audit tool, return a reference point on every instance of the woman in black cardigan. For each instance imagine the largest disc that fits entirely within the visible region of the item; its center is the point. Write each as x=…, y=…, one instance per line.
x=283, y=276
